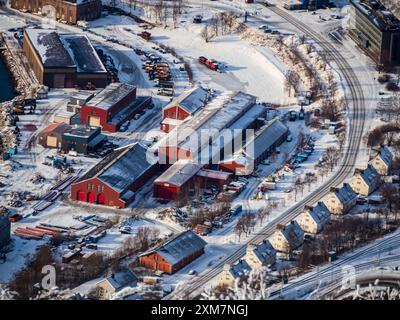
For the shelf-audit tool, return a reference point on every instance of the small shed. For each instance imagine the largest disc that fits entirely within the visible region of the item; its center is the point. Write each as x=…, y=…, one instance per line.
x=51, y=136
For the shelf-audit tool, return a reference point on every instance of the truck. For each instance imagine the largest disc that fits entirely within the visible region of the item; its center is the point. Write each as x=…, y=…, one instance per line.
x=209, y=63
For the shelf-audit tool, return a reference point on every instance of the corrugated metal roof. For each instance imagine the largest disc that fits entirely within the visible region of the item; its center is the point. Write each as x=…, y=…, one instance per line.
x=191, y=100
x=179, y=173
x=180, y=247
x=122, y=167
x=267, y=136
x=110, y=95
x=82, y=53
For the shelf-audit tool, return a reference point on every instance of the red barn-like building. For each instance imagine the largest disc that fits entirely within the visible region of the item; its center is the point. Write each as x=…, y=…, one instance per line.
x=175, y=253
x=114, y=180
x=188, y=103
x=112, y=106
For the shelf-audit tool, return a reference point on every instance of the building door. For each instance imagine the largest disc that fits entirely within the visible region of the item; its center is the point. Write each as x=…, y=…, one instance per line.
x=94, y=121
x=81, y=196
x=52, y=141
x=166, y=192
x=91, y=198
x=59, y=81
x=101, y=199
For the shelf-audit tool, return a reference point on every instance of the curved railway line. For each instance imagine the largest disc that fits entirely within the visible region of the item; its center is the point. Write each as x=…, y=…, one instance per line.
x=349, y=157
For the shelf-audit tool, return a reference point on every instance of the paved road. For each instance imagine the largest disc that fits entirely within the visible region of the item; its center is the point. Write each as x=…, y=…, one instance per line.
x=357, y=113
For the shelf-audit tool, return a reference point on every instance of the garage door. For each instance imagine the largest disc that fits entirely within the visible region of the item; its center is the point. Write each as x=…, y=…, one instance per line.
x=94, y=121
x=101, y=199
x=52, y=142
x=81, y=196
x=59, y=80
x=92, y=198
x=166, y=192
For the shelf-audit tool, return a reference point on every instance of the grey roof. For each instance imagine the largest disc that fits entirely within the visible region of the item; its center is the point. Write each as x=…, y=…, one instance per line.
x=180, y=247
x=49, y=47
x=319, y=213
x=191, y=100
x=223, y=117
x=264, y=251
x=293, y=231
x=64, y=50
x=83, y=132
x=267, y=136
x=239, y=269
x=346, y=193
x=121, y=280
x=179, y=173
x=110, y=95
x=122, y=167
x=386, y=155
x=82, y=53
x=370, y=176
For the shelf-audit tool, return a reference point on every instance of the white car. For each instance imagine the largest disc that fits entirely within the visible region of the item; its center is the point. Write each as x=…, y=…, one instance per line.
x=263, y=26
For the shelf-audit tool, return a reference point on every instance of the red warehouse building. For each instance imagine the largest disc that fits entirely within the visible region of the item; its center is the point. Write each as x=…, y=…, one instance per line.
x=176, y=180
x=188, y=103
x=114, y=180
x=113, y=106
x=175, y=253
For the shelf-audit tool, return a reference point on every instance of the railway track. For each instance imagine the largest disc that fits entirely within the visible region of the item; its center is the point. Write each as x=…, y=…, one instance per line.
x=334, y=270
x=349, y=156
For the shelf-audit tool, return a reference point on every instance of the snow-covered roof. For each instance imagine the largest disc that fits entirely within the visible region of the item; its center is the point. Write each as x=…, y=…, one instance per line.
x=121, y=280
x=345, y=194
x=180, y=247
x=191, y=100
x=292, y=232
x=227, y=114
x=214, y=174
x=82, y=53
x=59, y=128
x=264, y=251
x=64, y=50
x=122, y=167
x=110, y=95
x=378, y=14
x=369, y=175
x=239, y=269
x=386, y=155
x=83, y=132
x=179, y=173
x=49, y=47
x=319, y=213
x=267, y=136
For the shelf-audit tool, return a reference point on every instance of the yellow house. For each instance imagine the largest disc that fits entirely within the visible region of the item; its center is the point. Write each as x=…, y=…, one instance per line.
x=313, y=219
x=364, y=182
x=232, y=272
x=108, y=287
x=287, y=238
x=341, y=200
x=382, y=161
x=260, y=255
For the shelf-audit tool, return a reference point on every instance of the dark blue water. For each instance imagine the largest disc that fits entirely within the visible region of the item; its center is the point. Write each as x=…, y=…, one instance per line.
x=6, y=86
